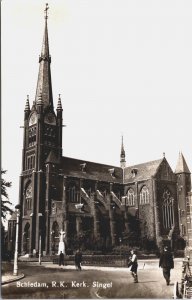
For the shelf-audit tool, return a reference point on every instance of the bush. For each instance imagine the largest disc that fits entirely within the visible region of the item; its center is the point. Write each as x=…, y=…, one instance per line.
x=123, y=249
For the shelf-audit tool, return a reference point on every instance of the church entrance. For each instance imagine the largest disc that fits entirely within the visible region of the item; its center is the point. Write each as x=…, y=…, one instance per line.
x=55, y=238
x=26, y=239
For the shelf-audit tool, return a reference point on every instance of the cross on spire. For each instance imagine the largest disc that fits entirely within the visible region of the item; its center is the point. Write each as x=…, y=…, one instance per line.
x=45, y=11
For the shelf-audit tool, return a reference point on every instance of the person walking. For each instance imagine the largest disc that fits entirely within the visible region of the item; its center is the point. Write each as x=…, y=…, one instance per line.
x=78, y=260
x=166, y=263
x=134, y=265
x=61, y=258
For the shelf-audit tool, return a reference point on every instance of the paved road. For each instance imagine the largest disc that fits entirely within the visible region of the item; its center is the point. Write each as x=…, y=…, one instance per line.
x=92, y=282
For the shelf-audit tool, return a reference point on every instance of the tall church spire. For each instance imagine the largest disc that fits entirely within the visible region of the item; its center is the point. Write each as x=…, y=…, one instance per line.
x=122, y=155
x=44, y=84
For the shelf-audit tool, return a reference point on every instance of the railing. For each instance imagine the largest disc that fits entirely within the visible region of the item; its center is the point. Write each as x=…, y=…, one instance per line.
x=94, y=260
x=97, y=260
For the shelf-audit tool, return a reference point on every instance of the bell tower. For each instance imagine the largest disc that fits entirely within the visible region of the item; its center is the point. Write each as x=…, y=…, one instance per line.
x=42, y=136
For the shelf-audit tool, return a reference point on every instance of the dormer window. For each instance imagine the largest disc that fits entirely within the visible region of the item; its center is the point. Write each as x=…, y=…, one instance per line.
x=83, y=167
x=112, y=172
x=134, y=172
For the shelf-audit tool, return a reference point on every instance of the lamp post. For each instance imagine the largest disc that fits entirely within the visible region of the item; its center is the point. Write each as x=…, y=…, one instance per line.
x=15, y=268
x=120, y=240
x=40, y=231
x=40, y=248
x=52, y=242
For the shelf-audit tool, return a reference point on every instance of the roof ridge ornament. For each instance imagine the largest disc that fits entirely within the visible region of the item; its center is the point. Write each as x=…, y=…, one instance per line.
x=112, y=172
x=83, y=167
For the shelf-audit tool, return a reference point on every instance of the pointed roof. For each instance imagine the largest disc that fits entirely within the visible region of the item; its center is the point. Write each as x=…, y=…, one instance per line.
x=44, y=84
x=59, y=105
x=27, y=106
x=122, y=155
x=122, y=147
x=52, y=158
x=181, y=165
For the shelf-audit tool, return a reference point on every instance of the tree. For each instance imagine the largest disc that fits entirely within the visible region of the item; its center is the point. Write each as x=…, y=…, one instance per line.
x=5, y=203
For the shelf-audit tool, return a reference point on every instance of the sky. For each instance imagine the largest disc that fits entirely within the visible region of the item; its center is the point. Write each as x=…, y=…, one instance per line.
x=122, y=67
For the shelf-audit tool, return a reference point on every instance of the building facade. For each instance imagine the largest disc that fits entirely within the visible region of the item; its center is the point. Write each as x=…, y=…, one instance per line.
x=101, y=203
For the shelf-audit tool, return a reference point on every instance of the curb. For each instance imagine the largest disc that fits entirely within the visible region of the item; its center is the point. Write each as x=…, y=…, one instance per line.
x=13, y=279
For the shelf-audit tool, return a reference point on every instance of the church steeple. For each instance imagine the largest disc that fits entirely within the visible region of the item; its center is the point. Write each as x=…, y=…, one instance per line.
x=181, y=165
x=44, y=84
x=122, y=155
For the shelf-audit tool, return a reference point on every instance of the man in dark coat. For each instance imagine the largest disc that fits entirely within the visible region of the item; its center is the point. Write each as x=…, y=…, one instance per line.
x=166, y=263
x=61, y=259
x=78, y=260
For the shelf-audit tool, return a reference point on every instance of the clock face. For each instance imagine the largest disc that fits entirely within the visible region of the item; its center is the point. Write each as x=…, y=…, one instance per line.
x=33, y=119
x=50, y=119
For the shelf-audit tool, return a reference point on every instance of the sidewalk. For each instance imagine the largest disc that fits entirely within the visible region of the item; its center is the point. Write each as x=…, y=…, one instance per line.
x=9, y=277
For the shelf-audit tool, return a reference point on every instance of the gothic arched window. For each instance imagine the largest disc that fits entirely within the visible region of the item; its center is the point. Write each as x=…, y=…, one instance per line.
x=168, y=209
x=28, y=197
x=144, y=195
x=32, y=136
x=130, y=198
x=55, y=229
x=73, y=194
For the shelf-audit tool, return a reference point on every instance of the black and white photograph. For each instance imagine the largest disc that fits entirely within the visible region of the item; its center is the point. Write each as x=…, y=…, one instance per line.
x=96, y=149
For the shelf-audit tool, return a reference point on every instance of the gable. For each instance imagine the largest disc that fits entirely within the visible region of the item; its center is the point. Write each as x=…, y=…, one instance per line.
x=142, y=171
x=165, y=172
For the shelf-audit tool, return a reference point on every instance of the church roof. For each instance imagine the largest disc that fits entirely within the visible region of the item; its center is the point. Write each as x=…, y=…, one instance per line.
x=181, y=165
x=95, y=171
x=141, y=171
x=91, y=170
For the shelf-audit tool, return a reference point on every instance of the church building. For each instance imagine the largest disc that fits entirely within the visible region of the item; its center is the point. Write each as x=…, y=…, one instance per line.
x=102, y=204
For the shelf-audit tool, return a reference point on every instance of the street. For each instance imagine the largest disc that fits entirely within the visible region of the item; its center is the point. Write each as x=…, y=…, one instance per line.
x=50, y=281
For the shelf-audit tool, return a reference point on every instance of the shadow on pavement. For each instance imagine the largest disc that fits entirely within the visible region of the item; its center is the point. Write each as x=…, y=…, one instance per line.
x=147, y=281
